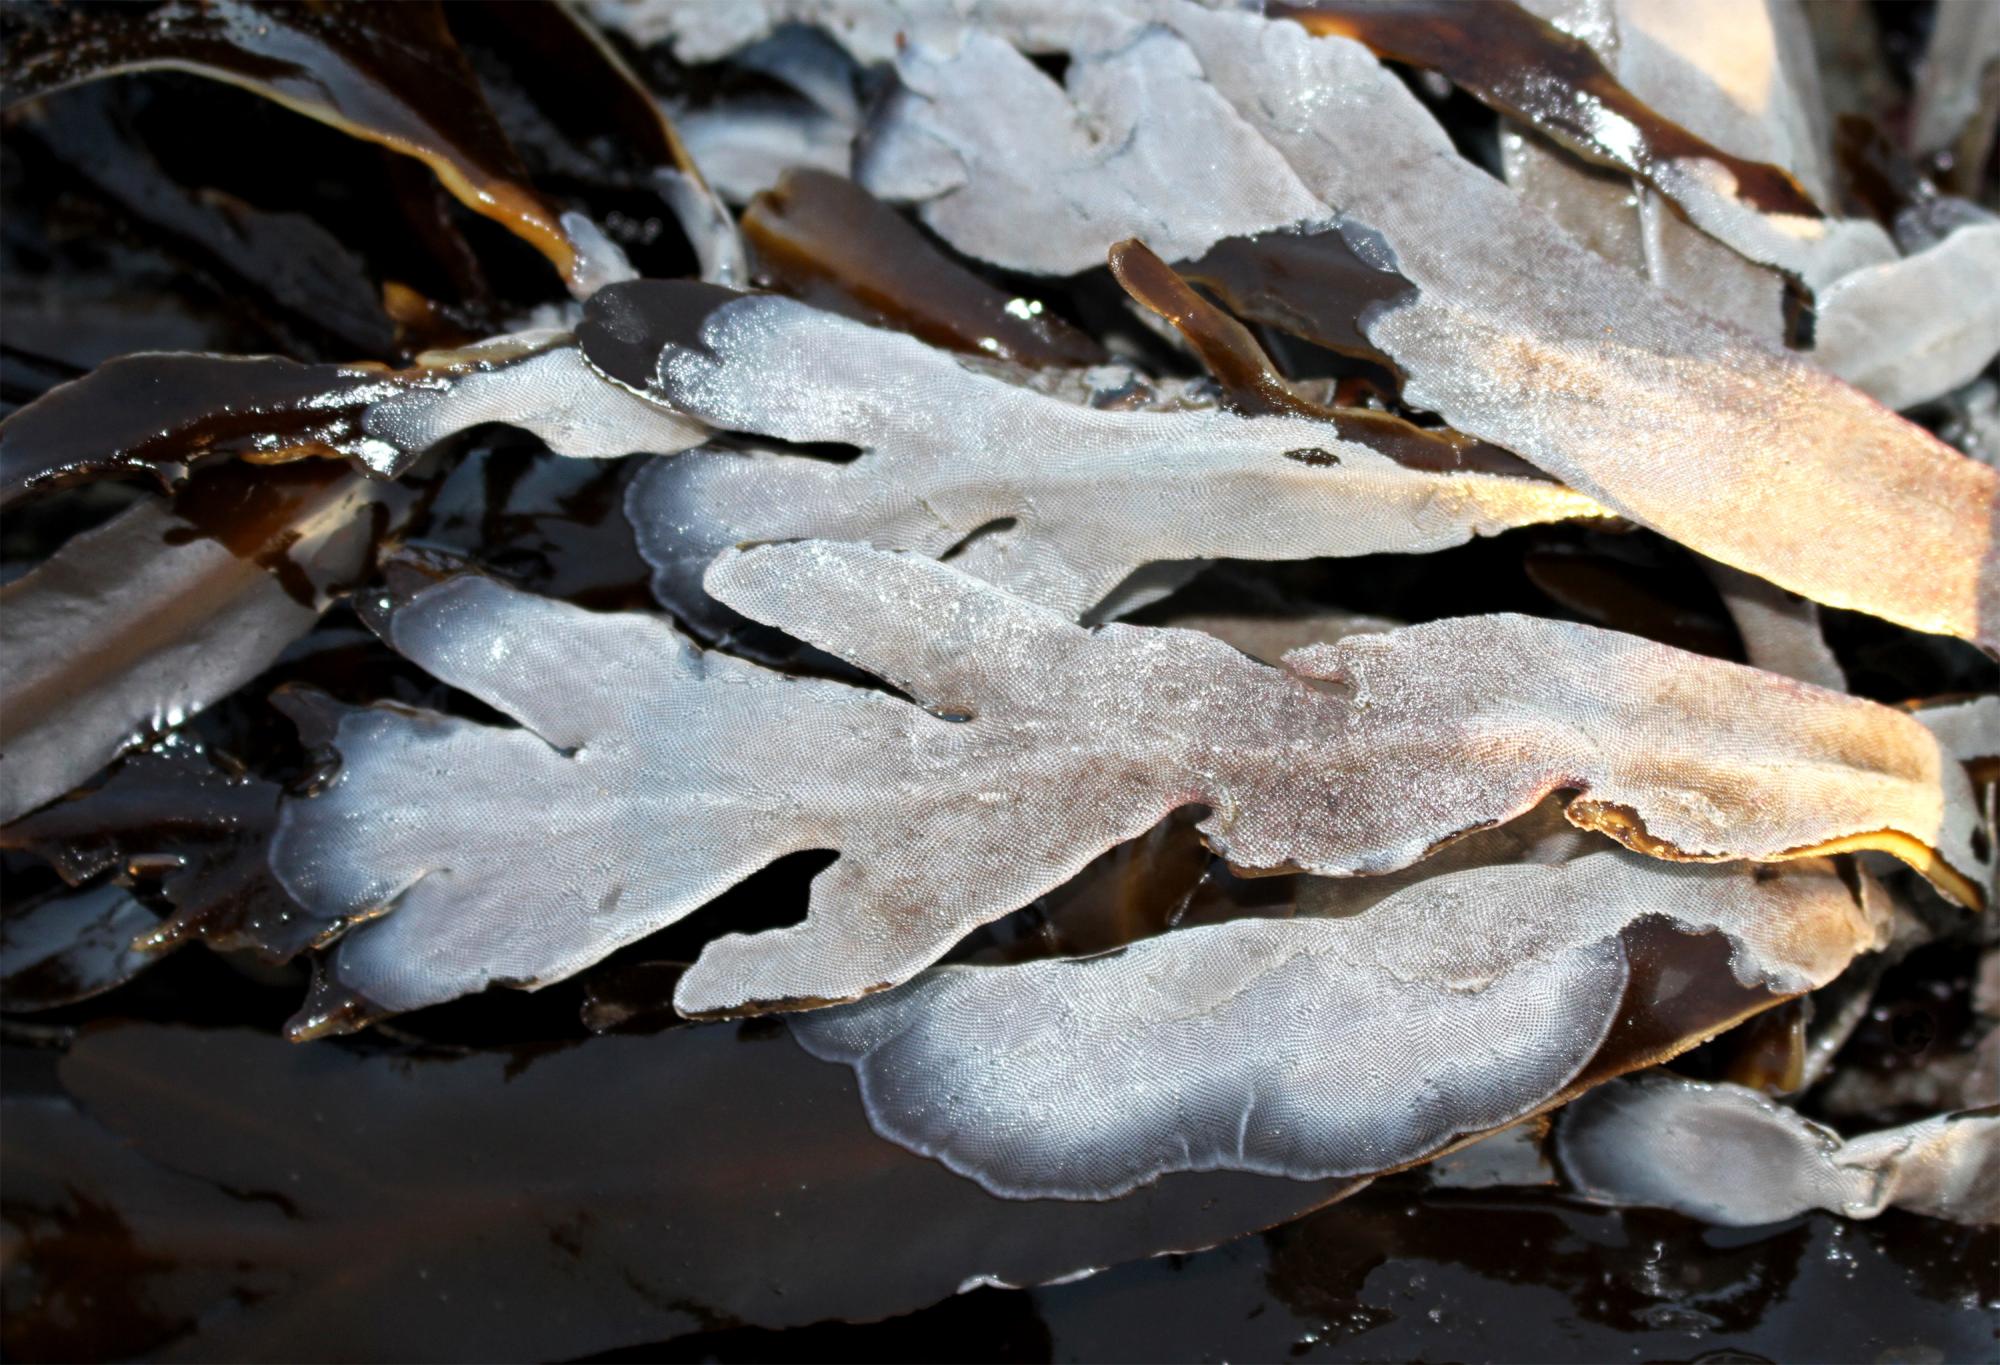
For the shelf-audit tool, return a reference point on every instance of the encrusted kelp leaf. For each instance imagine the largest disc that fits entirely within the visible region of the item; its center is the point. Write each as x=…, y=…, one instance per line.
x=1312, y=871
x=390, y=74
x=663, y=776
x=1956, y=113
x=152, y=413
x=72, y=945
x=1620, y=392
x=826, y=240
x=1663, y=725
x=1618, y=413
x=748, y=146
x=287, y=1203
x=1726, y=73
x=870, y=30
x=1307, y=1047
x=1726, y=1154
x=703, y=745
x=1092, y=494
x=1528, y=68
x=550, y=390
x=1102, y=146
x=133, y=626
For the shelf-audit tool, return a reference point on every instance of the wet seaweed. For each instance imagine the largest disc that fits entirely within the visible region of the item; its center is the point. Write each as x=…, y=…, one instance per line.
x=1290, y=491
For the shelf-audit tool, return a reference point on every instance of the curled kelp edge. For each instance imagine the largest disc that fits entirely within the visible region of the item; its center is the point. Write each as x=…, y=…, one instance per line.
x=1458, y=1005
x=1728, y=1155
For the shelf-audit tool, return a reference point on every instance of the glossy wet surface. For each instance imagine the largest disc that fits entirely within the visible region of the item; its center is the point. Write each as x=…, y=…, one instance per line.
x=223, y=1196
x=1398, y=1274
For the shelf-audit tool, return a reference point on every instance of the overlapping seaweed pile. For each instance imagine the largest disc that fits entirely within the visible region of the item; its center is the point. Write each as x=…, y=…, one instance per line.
x=1206, y=603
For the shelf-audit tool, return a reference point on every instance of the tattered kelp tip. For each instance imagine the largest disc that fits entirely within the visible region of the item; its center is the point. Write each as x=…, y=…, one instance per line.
x=331, y=1010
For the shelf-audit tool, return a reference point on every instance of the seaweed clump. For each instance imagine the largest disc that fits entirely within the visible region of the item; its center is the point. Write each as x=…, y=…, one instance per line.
x=680, y=674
